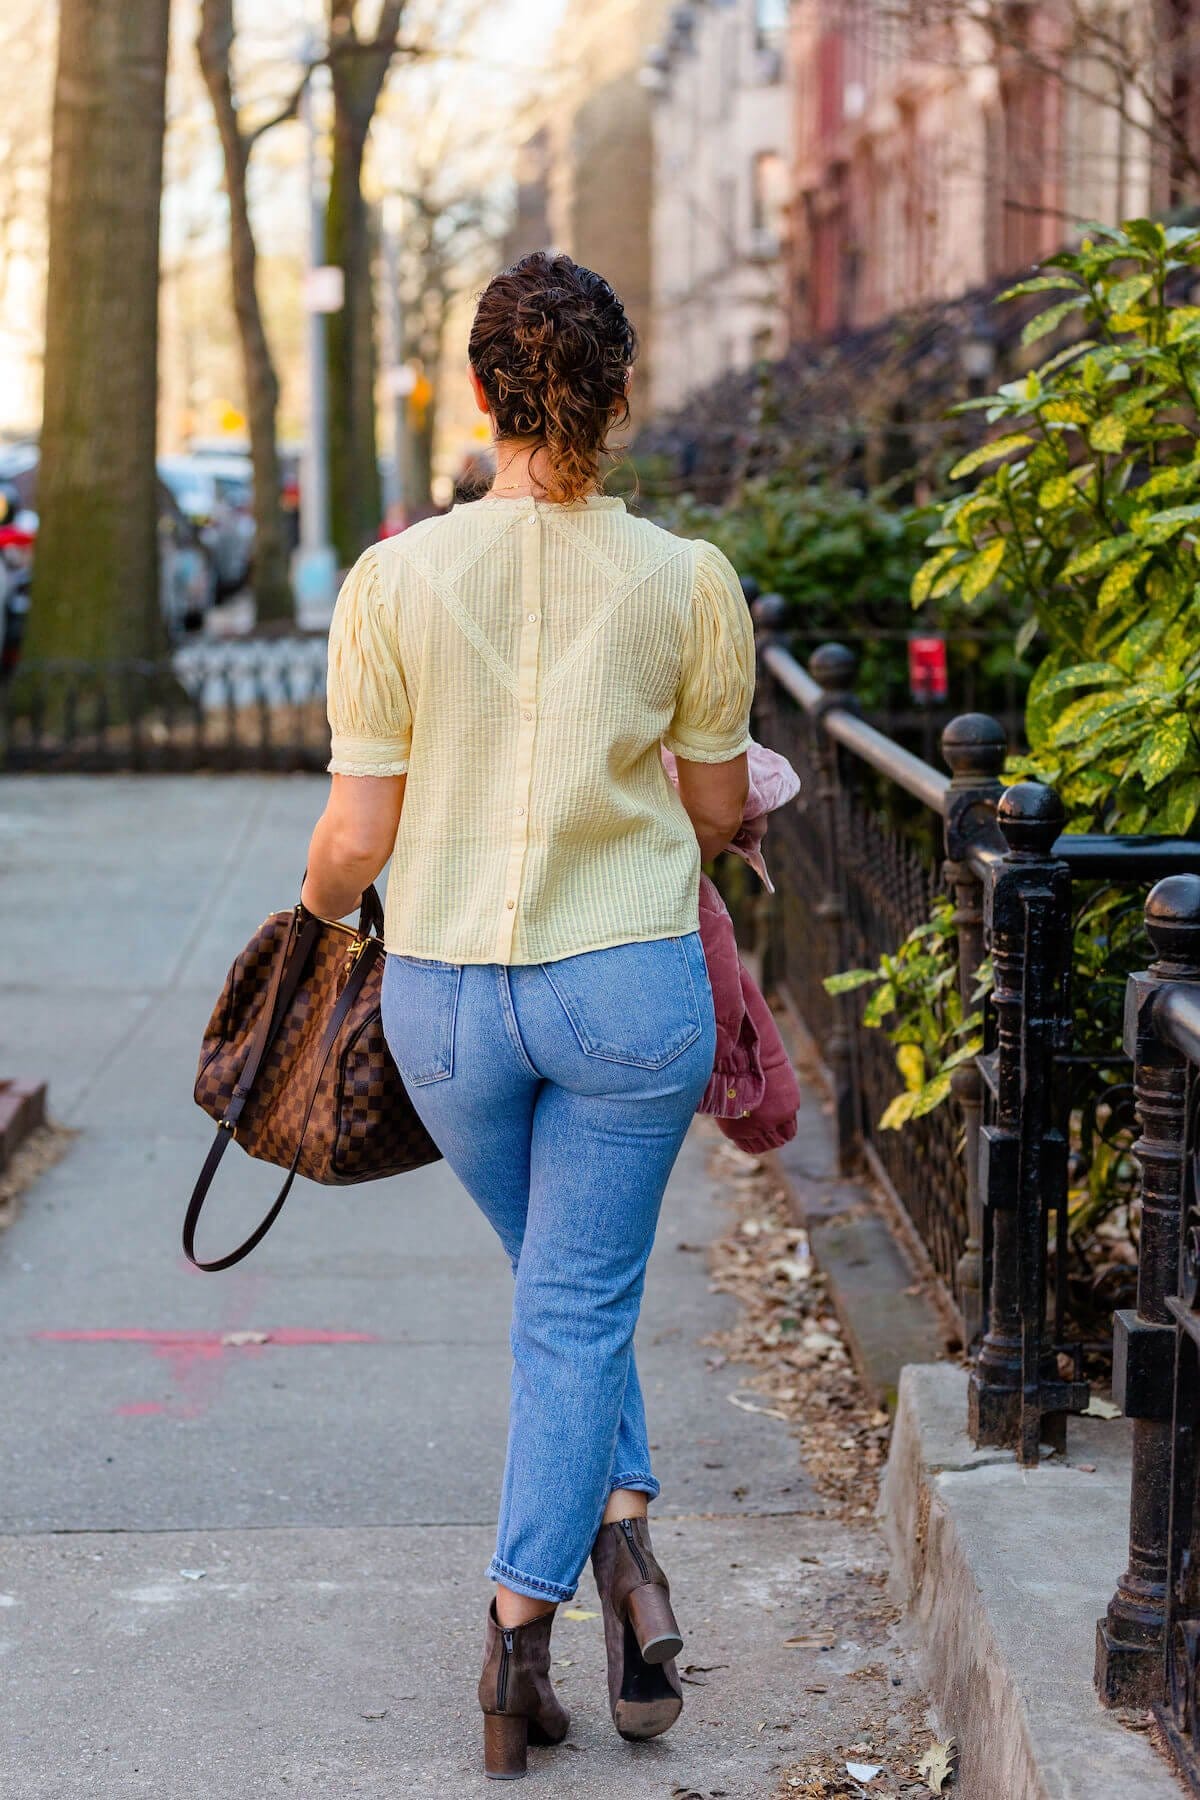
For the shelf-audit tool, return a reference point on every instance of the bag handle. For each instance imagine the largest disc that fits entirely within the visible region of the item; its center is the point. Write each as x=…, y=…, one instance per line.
x=292, y=963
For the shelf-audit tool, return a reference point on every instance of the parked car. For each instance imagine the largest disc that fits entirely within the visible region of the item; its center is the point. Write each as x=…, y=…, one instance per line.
x=18, y=532
x=187, y=573
x=216, y=494
x=188, y=584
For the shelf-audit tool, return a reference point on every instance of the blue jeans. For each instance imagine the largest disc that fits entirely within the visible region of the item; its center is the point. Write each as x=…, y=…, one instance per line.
x=560, y=1094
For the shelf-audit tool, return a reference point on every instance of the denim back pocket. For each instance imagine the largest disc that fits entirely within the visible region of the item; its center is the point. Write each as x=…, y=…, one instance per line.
x=420, y=1004
x=634, y=1003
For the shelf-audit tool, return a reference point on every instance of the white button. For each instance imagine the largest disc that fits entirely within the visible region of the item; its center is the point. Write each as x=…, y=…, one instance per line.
x=510, y=904
x=525, y=713
x=532, y=519
x=520, y=812
x=532, y=617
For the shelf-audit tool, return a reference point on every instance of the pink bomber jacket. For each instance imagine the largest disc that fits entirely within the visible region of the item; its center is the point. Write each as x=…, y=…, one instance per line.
x=752, y=1092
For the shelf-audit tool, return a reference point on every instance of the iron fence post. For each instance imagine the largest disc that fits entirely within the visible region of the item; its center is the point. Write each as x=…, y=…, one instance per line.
x=1016, y=1398
x=1130, y=1636
x=974, y=747
x=832, y=667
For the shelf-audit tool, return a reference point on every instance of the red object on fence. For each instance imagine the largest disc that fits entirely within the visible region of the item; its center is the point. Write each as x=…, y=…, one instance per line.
x=928, y=678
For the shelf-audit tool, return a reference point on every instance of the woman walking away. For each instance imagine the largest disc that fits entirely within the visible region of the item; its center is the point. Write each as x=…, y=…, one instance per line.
x=502, y=681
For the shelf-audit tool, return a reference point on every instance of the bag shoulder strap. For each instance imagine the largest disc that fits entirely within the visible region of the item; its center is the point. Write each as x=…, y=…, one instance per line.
x=288, y=974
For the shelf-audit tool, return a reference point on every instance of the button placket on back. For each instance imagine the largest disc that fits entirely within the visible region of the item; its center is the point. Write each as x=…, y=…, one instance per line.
x=527, y=673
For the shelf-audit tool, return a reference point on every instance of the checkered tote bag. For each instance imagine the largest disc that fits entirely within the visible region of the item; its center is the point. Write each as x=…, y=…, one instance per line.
x=294, y=1064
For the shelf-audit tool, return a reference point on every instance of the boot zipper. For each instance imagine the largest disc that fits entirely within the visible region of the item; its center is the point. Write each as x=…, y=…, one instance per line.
x=506, y=1638
x=639, y=1559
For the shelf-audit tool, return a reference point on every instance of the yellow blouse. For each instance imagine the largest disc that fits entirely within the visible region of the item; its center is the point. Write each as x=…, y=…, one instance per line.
x=523, y=662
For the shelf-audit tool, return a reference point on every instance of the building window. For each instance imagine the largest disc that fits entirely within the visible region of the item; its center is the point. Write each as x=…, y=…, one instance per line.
x=768, y=202
x=770, y=22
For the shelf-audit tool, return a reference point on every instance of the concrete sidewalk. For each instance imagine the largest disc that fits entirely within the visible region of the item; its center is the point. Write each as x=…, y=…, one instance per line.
x=242, y=1568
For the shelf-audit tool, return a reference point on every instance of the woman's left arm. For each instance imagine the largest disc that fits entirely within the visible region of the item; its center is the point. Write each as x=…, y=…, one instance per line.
x=353, y=839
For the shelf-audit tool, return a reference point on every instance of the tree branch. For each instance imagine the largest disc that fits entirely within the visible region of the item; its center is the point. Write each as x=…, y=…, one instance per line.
x=287, y=111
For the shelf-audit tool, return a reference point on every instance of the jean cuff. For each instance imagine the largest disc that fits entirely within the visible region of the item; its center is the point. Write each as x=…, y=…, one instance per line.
x=638, y=1484
x=532, y=1586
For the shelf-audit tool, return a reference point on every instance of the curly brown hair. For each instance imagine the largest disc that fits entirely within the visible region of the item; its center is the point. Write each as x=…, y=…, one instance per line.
x=553, y=348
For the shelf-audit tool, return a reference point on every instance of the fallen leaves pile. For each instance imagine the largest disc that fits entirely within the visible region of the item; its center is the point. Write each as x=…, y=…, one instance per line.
x=924, y=1772
x=787, y=1332
x=40, y=1151
x=798, y=1369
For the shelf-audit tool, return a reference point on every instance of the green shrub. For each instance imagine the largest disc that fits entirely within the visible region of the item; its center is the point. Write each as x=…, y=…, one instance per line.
x=1083, y=522
x=1085, y=518
x=840, y=559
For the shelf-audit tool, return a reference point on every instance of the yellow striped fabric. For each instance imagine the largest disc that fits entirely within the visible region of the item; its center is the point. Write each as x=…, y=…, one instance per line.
x=523, y=662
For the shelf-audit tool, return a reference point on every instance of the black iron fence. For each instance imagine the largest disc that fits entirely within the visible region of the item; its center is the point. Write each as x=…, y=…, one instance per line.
x=1148, y=1643
x=984, y=1181
x=243, y=704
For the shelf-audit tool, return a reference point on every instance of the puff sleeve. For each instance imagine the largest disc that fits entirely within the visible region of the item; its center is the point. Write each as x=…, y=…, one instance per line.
x=711, y=722
x=369, y=714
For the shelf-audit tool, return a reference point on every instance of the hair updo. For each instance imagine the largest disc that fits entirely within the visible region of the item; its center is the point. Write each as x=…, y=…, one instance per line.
x=552, y=347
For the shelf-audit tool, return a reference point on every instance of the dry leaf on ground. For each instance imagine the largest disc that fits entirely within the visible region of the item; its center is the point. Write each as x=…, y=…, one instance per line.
x=936, y=1767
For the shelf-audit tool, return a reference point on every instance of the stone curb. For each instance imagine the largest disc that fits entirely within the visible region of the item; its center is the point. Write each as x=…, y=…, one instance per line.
x=1002, y=1573
x=22, y=1110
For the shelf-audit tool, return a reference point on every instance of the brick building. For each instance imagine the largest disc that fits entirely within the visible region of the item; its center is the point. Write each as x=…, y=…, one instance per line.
x=939, y=146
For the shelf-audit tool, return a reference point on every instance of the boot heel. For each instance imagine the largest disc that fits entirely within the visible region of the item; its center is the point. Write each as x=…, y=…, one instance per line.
x=648, y=1610
x=505, y=1737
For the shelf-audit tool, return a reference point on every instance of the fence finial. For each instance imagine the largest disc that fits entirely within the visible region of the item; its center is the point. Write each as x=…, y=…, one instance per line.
x=833, y=667
x=1032, y=818
x=1173, y=923
x=974, y=746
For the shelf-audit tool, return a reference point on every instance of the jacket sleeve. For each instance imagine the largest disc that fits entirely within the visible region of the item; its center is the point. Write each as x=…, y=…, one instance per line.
x=369, y=715
x=711, y=721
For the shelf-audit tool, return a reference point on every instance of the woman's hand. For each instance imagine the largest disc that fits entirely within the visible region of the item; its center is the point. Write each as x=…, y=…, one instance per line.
x=352, y=842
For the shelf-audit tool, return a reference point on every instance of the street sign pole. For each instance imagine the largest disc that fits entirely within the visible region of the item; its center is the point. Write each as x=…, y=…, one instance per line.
x=314, y=570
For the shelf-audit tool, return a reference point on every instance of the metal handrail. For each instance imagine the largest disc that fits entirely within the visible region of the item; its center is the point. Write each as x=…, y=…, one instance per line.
x=925, y=784
x=889, y=758
x=792, y=678
x=1177, y=1019
x=1093, y=856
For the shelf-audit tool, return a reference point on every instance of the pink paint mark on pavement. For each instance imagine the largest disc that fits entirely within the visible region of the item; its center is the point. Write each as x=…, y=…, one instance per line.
x=215, y=1340
x=196, y=1359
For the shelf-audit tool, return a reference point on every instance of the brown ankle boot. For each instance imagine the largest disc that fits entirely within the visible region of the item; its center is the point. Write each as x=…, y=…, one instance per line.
x=519, y=1705
x=640, y=1633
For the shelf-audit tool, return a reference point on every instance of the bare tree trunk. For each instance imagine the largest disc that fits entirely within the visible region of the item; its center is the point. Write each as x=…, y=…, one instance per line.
x=214, y=45
x=358, y=69
x=96, y=584
x=350, y=350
